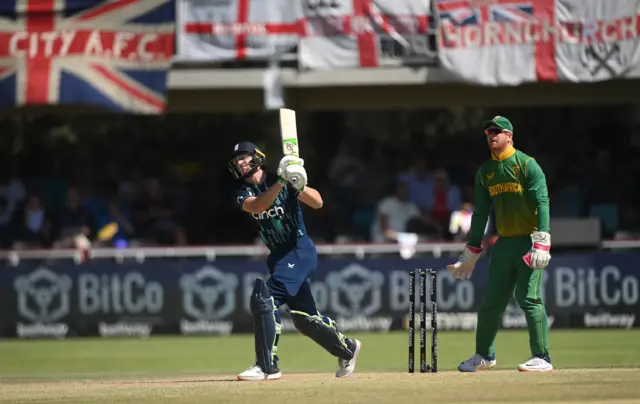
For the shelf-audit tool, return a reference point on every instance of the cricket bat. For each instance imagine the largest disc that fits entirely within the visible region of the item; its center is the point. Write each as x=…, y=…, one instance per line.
x=289, y=134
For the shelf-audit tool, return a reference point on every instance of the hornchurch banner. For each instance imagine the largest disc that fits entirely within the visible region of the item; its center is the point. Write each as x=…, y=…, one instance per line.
x=508, y=42
x=602, y=40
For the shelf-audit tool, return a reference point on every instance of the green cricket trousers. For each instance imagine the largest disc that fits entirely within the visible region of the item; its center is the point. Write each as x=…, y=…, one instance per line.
x=508, y=271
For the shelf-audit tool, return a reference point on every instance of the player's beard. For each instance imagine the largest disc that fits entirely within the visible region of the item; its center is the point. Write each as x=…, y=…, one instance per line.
x=497, y=147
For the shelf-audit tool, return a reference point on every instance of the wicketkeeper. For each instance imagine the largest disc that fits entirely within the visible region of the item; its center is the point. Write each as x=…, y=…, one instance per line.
x=516, y=185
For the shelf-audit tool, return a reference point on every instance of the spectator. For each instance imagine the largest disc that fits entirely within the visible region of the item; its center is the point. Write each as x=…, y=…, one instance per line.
x=420, y=183
x=397, y=214
x=33, y=225
x=444, y=199
x=74, y=222
x=460, y=222
x=114, y=225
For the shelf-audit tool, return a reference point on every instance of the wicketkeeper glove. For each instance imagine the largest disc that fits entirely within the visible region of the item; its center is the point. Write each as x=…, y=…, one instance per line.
x=284, y=163
x=466, y=263
x=538, y=257
x=297, y=176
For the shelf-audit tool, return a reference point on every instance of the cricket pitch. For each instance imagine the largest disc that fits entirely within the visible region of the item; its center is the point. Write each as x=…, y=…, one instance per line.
x=498, y=386
x=592, y=366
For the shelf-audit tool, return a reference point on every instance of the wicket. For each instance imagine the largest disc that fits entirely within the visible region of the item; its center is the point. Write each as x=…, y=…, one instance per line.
x=422, y=273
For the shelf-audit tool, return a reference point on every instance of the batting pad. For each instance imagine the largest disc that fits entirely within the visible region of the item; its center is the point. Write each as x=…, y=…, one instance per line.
x=322, y=333
x=264, y=325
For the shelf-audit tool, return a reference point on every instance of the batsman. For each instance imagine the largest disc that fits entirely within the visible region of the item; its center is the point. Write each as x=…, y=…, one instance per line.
x=516, y=186
x=273, y=200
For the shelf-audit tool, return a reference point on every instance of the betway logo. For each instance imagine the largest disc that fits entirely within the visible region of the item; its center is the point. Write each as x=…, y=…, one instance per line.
x=275, y=211
x=608, y=320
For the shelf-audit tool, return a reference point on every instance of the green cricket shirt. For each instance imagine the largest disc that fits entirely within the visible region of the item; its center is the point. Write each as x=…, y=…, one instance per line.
x=517, y=187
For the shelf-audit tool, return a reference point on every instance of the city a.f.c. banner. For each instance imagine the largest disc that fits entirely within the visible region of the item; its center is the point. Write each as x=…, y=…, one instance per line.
x=114, y=54
x=509, y=42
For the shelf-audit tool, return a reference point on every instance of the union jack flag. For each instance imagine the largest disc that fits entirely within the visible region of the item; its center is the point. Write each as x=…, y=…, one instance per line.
x=110, y=53
x=470, y=12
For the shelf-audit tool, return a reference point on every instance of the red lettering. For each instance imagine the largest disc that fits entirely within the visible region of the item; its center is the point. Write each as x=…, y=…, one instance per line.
x=120, y=45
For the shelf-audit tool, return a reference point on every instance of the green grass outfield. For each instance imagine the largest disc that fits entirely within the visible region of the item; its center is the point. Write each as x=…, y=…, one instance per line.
x=200, y=370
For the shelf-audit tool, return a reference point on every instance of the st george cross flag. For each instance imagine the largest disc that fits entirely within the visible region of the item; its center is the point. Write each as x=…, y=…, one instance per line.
x=509, y=42
x=347, y=33
x=110, y=53
x=214, y=30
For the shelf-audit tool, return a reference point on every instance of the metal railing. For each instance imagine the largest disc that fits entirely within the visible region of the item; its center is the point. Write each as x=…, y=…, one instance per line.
x=359, y=251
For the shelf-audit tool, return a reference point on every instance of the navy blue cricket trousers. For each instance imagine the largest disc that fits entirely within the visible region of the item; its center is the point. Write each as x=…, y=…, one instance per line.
x=290, y=269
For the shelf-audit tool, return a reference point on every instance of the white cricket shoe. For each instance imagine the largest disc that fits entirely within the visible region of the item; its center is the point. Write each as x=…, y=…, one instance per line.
x=475, y=363
x=535, y=364
x=347, y=368
x=254, y=374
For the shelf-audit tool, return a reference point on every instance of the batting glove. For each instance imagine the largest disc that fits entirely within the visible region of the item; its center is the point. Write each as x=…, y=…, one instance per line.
x=286, y=161
x=466, y=263
x=297, y=176
x=538, y=257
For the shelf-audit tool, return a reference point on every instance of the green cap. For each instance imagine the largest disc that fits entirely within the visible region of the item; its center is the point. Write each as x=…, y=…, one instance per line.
x=499, y=121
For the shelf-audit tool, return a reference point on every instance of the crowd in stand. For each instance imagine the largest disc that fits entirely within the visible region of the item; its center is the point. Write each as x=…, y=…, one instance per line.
x=125, y=181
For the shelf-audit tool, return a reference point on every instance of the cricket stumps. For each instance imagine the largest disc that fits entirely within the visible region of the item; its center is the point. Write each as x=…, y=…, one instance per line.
x=422, y=276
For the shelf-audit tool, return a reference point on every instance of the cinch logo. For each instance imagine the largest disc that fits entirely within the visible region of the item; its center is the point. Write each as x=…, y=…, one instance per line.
x=275, y=211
